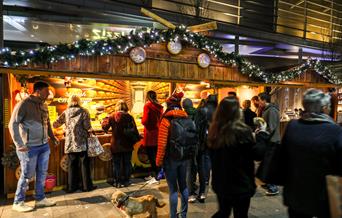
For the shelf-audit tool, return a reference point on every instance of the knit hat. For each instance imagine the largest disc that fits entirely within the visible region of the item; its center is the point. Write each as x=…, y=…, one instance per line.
x=187, y=103
x=175, y=99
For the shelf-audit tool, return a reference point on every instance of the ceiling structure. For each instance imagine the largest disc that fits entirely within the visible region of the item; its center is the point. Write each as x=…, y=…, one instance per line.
x=271, y=34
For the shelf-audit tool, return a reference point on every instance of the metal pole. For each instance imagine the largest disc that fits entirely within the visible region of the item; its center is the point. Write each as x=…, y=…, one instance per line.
x=300, y=55
x=236, y=45
x=305, y=19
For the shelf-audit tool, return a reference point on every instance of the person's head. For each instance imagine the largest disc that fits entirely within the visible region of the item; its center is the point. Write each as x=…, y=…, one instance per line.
x=264, y=98
x=151, y=96
x=255, y=101
x=74, y=100
x=232, y=94
x=316, y=101
x=121, y=106
x=246, y=104
x=260, y=123
x=225, y=123
x=212, y=99
x=41, y=89
x=187, y=103
x=174, y=101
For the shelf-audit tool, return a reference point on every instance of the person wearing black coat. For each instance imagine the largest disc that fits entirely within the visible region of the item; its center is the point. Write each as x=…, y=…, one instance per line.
x=231, y=146
x=311, y=149
x=248, y=114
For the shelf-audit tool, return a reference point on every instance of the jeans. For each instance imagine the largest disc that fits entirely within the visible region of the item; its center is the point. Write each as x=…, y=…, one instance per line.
x=239, y=204
x=191, y=175
x=152, y=154
x=175, y=173
x=79, y=163
x=33, y=162
x=122, y=167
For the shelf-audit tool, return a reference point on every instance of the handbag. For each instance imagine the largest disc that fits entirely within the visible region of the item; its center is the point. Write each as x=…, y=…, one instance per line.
x=94, y=146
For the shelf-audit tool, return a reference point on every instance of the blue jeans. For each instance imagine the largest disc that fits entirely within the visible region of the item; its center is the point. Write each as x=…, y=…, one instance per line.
x=33, y=162
x=175, y=173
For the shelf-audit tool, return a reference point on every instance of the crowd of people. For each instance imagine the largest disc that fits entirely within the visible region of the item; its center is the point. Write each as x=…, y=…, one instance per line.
x=217, y=141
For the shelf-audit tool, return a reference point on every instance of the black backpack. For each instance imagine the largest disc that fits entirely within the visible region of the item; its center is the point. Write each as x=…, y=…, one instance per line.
x=183, y=138
x=131, y=132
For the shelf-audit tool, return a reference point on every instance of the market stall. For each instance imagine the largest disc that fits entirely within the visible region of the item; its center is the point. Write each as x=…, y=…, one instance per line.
x=101, y=72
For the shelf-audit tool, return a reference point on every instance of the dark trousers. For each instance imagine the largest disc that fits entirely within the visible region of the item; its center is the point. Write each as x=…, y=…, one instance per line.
x=151, y=152
x=239, y=204
x=122, y=167
x=197, y=165
x=296, y=214
x=79, y=163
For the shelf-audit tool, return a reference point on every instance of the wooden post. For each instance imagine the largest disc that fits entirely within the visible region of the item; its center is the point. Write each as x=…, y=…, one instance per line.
x=203, y=27
x=157, y=18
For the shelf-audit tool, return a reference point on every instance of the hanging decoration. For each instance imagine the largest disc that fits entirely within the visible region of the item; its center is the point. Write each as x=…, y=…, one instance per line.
x=174, y=46
x=203, y=60
x=181, y=34
x=137, y=55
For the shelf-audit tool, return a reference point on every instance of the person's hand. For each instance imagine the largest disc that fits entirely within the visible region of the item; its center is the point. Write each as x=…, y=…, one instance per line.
x=23, y=148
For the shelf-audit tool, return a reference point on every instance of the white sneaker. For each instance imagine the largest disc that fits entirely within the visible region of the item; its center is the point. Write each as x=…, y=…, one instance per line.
x=21, y=207
x=45, y=203
x=148, y=178
x=192, y=199
x=153, y=181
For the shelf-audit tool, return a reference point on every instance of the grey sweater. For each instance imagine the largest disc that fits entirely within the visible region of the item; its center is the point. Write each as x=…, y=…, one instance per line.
x=30, y=124
x=271, y=115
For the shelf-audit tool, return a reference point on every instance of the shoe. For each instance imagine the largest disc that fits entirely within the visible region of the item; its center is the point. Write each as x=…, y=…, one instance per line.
x=272, y=190
x=21, y=207
x=153, y=181
x=127, y=183
x=192, y=199
x=264, y=186
x=201, y=198
x=45, y=203
x=148, y=178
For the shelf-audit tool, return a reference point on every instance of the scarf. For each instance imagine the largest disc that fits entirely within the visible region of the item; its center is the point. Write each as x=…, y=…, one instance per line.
x=317, y=117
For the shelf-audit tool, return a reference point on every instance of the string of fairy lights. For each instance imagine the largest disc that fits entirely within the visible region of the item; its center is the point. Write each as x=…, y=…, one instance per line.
x=123, y=43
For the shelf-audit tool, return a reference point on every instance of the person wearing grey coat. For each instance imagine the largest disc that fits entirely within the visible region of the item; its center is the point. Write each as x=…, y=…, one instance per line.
x=271, y=115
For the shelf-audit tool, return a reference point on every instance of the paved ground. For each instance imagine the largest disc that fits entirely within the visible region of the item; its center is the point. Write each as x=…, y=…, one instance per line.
x=96, y=204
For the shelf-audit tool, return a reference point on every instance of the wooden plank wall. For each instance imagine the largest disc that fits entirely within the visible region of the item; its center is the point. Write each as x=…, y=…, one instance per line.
x=158, y=64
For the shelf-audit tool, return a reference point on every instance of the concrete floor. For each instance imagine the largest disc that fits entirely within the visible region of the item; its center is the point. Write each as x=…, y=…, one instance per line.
x=96, y=204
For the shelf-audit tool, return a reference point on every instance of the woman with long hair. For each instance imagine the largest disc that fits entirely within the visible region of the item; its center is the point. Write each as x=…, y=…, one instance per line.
x=151, y=119
x=231, y=144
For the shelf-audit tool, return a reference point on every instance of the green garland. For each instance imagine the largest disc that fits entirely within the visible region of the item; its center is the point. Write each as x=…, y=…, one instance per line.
x=119, y=45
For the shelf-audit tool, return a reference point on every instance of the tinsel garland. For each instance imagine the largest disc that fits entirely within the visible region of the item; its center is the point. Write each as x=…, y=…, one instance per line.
x=120, y=45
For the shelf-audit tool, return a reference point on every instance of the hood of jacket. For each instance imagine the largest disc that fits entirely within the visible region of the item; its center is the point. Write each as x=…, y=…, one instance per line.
x=155, y=107
x=75, y=111
x=35, y=99
x=176, y=113
x=121, y=116
x=191, y=111
x=271, y=106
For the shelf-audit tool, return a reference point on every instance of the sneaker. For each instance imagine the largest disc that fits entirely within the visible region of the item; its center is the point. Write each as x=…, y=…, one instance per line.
x=45, y=203
x=153, y=181
x=21, y=207
x=201, y=198
x=148, y=178
x=192, y=199
x=272, y=190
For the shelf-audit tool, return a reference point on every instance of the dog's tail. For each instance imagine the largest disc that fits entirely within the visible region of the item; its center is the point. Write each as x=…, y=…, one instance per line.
x=158, y=204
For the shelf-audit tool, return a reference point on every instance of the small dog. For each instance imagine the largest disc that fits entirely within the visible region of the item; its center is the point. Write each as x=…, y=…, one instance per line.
x=136, y=205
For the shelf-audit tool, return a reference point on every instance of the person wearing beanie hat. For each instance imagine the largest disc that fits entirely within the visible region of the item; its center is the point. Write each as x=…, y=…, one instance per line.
x=175, y=170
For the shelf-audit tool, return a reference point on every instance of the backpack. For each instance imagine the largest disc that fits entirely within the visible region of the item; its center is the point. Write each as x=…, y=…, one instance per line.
x=131, y=133
x=183, y=138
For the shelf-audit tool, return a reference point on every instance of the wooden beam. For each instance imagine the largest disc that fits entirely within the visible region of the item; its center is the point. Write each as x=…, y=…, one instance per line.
x=157, y=18
x=203, y=27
